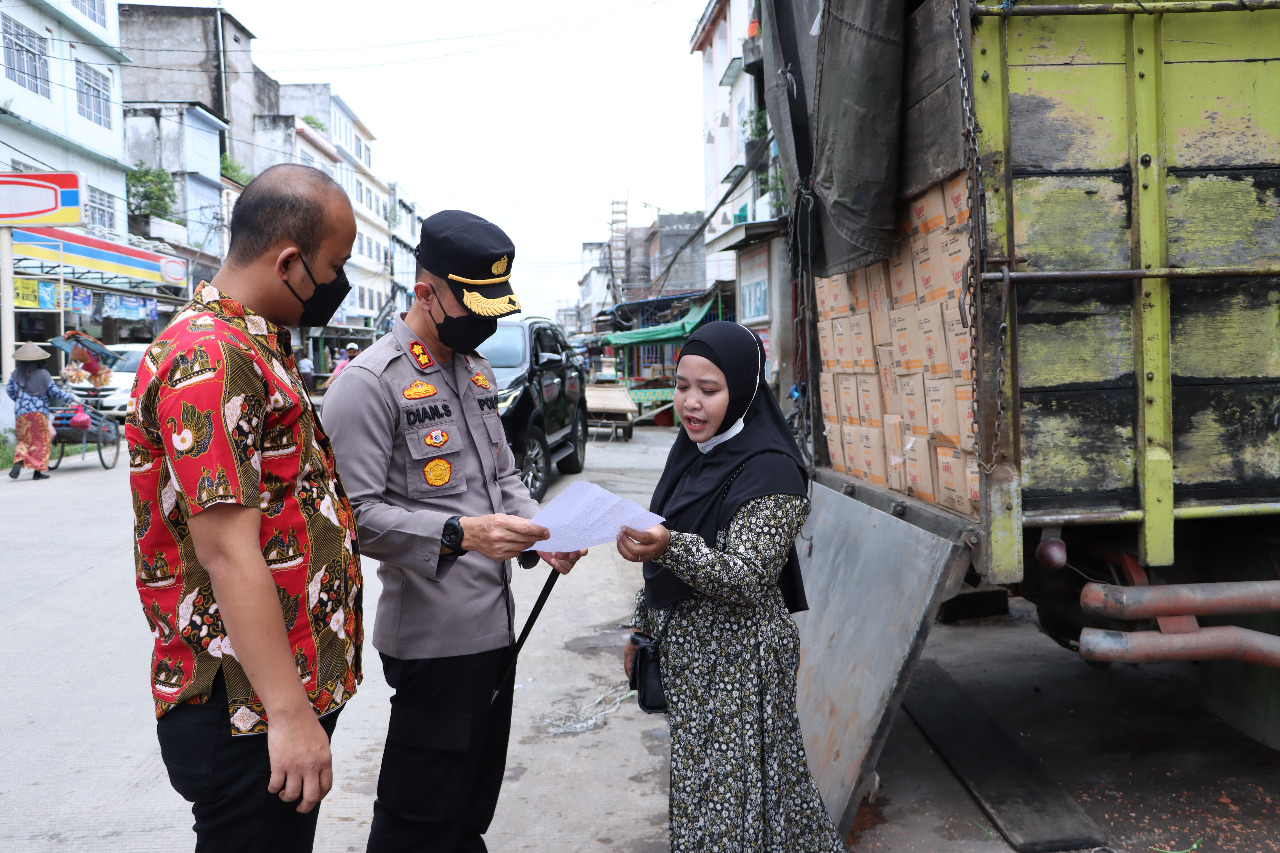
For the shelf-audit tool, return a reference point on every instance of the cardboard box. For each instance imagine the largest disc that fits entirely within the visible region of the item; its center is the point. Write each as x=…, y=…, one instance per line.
x=908, y=351
x=835, y=449
x=928, y=211
x=870, y=401
x=940, y=395
x=923, y=268
x=955, y=200
x=889, y=392
x=933, y=341
x=918, y=462
x=864, y=347
x=842, y=340
x=859, y=297
x=974, y=480
x=838, y=295
x=852, y=450
x=959, y=342
x=952, y=487
x=964, y=415
x=872, y=455
x=902, y=277
x=895, y=465
x=950, y=256
x=879, y=302
x=822, y=291
x=937, y=257
x=827, y=395
x=915, y=406
x=847, y=399
x=826, y=346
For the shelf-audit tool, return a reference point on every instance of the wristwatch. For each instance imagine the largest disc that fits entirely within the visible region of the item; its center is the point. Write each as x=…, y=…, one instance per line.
x=451, y=537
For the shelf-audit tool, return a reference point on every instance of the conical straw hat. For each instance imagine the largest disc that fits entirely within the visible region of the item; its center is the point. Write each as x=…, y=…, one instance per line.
x=31, y=352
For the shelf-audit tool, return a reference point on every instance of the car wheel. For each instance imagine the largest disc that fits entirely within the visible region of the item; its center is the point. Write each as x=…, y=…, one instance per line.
x=535, y=468
x=574, y=462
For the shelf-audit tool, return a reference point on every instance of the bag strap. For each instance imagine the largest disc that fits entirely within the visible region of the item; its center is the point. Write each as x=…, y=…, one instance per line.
x=524, y=632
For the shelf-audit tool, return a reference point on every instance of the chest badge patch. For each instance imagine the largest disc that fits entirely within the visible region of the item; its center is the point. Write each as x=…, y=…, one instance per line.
x=419, y=390
x=480, y=380
x=420, y=355
x=437, y=472
x=436, y=438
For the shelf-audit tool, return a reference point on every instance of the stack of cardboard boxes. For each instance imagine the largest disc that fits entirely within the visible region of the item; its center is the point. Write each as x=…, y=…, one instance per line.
x=897, y=387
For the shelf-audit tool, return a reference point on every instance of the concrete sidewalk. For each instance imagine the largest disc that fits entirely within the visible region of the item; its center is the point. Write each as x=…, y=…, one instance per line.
x=82, y=769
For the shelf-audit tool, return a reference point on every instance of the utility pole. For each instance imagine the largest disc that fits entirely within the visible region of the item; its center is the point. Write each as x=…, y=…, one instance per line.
x=618, y=249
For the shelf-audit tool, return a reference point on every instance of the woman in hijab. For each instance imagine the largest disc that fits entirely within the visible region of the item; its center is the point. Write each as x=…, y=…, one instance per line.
x=32, y=390
x=721, y=579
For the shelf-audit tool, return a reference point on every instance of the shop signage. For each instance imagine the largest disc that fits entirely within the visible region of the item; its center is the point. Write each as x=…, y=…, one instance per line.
x=753, y=284
x=40, y=198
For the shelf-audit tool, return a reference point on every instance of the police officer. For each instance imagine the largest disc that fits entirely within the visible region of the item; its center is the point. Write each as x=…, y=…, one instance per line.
x=438, y=499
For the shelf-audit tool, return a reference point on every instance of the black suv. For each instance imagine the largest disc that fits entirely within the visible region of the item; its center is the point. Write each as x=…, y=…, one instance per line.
x=541, y=398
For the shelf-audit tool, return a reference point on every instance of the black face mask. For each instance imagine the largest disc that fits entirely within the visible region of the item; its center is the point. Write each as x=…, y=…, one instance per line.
x=466, y=333
x=318, y=308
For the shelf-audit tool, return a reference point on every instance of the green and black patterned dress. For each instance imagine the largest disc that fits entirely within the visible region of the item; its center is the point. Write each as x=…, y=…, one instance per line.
x=739, y=779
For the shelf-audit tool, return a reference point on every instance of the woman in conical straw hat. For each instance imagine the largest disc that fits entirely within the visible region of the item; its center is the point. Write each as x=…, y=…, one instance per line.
x=32, y=390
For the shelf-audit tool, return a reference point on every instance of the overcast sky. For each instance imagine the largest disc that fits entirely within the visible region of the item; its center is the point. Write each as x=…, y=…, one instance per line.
x=533, y=115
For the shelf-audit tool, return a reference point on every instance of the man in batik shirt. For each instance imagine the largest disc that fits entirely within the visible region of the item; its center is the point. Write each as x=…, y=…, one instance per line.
x=245, y=546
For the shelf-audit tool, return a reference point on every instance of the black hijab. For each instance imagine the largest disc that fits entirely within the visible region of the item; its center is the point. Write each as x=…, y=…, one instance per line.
x=700, y=492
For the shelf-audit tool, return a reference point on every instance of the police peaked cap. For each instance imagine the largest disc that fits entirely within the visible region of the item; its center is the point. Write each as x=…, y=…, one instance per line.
x=474, y=256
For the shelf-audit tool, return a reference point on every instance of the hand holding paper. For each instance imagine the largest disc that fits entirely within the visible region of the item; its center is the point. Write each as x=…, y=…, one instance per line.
x=584, y=515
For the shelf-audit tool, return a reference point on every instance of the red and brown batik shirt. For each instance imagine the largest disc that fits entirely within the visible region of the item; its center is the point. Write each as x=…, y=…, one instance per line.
x=220, y=415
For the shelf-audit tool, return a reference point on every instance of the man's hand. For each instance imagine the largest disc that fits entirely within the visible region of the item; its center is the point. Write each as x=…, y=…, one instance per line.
x=562, y=561
x=500, y=537
x=639, y=546
x=301, y=763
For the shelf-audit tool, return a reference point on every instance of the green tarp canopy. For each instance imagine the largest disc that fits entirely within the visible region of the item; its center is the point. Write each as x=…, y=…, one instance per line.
x=667, y=333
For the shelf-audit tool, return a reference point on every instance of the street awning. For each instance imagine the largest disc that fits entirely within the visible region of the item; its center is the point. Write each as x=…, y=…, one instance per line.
x=665, y=333
x=54, y=252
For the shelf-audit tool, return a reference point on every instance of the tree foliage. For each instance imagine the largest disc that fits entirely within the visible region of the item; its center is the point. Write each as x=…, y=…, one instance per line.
x=233, y=170
x=316, y=123
x=150, y=191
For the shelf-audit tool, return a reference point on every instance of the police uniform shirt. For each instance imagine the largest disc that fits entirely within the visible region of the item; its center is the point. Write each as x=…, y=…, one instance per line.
x=416, y=442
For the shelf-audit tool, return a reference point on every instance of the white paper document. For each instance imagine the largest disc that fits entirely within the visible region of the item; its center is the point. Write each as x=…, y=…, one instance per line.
x=584, y=515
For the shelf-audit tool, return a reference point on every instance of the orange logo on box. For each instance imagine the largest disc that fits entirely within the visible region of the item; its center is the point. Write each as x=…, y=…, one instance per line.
x=480, y=380
x=418, y=390
x=420, y=354
x=437, y=472
x=435, y=438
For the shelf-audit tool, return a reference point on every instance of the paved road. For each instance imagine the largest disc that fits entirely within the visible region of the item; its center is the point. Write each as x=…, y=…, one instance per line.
x=81, y=767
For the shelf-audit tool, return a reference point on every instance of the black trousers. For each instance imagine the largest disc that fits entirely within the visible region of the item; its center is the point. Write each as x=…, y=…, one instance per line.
x=225, y=780
x=445, y=756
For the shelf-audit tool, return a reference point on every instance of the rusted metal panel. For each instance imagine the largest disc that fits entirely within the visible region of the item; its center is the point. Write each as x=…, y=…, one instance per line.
x=1033, y=8
x=1075, y=335
x=1044, y=40
x=1226, y=330
x=1227, y=440
x=1069, y=222
x=1226, y=113
x=1223, y=36
x=1068, y=117
x=1078, y=448
x=1224, y=218
x=874, y=584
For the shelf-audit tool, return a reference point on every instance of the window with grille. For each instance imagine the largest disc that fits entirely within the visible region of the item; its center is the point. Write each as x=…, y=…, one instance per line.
x=307, y=159
x=101, y=209
x=94, y=10
x=26, y=56
x=93, y=94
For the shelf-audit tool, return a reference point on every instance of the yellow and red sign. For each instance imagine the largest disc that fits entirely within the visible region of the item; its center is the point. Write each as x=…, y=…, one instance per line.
x=480, y=380
x=420, y=354
x=436, y=438
x=41, y=198
x=437, y=472
x=419, y=390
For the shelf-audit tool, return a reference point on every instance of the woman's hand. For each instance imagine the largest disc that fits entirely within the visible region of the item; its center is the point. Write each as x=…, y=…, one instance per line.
x=639, y=546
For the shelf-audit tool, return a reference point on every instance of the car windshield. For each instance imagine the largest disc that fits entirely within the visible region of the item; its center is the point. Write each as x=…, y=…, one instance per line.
x=129, y=360
x=506, y=347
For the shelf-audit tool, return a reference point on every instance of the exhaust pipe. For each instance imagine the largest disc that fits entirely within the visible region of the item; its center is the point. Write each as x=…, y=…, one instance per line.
x=1218, y=643
x=1185, y=599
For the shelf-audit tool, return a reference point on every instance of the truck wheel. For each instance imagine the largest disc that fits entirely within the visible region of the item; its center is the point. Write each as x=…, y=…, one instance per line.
x=535, y=468
x=574, y=462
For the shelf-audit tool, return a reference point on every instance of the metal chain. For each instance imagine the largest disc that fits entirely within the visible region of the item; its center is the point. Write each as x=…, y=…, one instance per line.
x=971, y=294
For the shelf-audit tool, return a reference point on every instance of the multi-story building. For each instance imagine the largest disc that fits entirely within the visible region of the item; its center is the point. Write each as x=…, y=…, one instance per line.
x=746, y=235
x=597, y=291
x=406, y=230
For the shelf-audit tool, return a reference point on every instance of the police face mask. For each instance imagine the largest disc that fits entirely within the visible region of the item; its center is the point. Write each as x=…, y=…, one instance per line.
x=318, y=308
x=466, y=333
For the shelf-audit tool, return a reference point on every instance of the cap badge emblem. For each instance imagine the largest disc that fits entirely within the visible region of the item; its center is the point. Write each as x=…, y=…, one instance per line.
x=420, y=354
x=480, y=380
x=486, y=307
x=436, y=438
x=419, y=390
x=500, y=266
x=437, y=472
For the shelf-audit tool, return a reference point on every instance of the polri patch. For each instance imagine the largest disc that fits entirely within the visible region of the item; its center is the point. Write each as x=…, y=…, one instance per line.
x=436, y=438
x=437, y=472
x=419, y=390
x=480, y=380
x=420, y=354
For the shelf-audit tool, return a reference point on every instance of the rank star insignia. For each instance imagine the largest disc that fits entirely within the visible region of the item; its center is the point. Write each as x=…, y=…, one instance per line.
x=420, y=354
x=435, y=438
x=480, y=380
x=419, y=390
x=437, y=472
